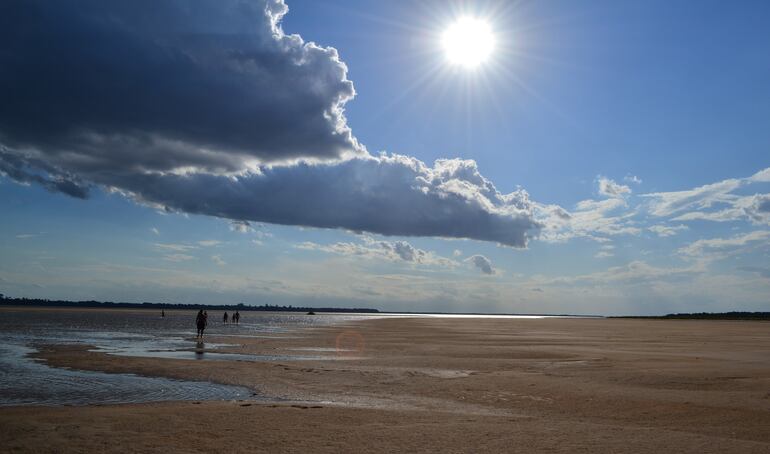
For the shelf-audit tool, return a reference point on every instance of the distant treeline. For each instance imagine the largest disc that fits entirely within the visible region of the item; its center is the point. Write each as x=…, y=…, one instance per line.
x=735, y=315
x=4, y=301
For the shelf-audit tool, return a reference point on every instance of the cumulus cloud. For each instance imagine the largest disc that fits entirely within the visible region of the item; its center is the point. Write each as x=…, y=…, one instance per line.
x=609, y=188
x=217, y=259
x=370, y=248
x=210, y=108
x=592, y=219
x=759, y=209
x=763, y=176
x=166, y=86
x=389, y=194
x=482, y=263
x=241, y=226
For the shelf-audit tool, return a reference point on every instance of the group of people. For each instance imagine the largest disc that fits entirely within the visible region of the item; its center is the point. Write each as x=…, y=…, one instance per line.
x=236, y=317
x=202, y=321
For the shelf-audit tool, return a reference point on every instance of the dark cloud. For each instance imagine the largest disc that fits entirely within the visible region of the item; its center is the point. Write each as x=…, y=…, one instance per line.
x=160, y=85
x=389, y=195
x=29, y=171
x=209, y=108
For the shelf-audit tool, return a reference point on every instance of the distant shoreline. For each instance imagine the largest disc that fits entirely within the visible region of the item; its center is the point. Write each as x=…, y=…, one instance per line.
x=36, y=302
x=734, y=315
x=33, y=302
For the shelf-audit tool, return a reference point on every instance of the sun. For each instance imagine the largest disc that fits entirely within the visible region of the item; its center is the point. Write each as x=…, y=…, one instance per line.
x=468, y=42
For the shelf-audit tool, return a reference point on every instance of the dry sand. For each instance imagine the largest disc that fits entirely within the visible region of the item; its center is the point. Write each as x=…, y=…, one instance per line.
x=444, y=385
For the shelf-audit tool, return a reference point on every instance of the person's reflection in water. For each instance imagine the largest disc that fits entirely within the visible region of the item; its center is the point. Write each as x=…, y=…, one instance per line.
x=199, y=349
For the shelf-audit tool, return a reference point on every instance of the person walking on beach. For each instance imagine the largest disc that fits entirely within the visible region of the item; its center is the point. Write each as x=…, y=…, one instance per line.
x=224, y=318
x=200, y=323
x=237, y=317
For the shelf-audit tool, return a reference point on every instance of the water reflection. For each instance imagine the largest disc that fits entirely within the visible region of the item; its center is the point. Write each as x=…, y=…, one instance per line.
x=25, y=381
x=199, y=347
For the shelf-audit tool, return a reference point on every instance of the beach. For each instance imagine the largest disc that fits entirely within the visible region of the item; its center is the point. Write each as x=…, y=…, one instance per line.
x=438, y=384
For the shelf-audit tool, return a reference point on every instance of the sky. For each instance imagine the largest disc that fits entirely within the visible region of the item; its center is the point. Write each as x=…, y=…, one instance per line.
x=609, y=157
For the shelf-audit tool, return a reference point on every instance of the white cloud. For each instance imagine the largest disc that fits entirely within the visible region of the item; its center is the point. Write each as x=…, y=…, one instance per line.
x=209, y=243
x=218, y=260
x=667, y=230
x=155, y=231
x=241, y=226
x=591, y=219
x=763, y=176
x=482, y=263
x=370, y=248
x=668, y=203
x=609, y=188
x=717, y=248
x=759, y=209
x=754, y=208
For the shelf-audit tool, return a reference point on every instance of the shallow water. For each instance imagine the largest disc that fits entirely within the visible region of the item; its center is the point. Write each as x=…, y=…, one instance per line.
x=26, y=381
x=141, y=333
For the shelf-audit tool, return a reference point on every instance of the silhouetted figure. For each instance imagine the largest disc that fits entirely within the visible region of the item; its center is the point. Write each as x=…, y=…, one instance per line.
x=224, y=318
x=162, y=313
x=200, y=323
x=237, y=317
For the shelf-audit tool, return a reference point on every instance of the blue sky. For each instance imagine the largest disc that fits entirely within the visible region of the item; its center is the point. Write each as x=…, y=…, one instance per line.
x=610, y=157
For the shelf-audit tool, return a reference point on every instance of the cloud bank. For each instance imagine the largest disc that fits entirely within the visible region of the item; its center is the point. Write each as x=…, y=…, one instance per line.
x=210, y=108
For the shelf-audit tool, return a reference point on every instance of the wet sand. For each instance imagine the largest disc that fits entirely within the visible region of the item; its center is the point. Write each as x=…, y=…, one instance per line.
x=442, y=385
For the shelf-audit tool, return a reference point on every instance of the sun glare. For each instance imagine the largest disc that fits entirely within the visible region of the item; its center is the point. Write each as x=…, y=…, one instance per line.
x=468, y=42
